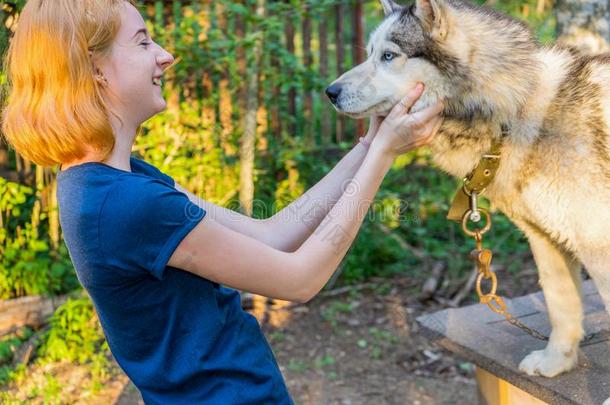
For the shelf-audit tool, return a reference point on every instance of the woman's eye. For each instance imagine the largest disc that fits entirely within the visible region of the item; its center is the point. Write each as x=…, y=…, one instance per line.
x=388, y=56
x=146, y=44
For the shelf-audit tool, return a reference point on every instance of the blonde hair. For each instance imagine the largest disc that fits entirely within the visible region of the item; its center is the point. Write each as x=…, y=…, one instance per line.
x=55, y=112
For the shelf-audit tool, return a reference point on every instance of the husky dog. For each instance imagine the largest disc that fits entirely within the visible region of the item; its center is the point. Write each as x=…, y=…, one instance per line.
x=553, y=180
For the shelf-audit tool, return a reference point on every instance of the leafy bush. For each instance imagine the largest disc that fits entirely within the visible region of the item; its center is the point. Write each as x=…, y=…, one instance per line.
x=10, y=343
x=27, y=265
x=75, y=333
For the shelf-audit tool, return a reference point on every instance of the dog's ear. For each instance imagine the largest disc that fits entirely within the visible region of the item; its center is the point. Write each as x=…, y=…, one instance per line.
x=389, y=7
x=432, y=14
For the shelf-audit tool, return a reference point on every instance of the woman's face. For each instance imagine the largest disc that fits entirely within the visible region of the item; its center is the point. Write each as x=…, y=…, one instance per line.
x=133, y=70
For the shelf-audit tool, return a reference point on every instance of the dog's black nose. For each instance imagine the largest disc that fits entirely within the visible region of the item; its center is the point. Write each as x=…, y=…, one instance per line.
x=333, y=91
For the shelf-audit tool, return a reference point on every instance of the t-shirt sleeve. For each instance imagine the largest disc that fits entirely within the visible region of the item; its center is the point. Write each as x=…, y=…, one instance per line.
x=141, y=223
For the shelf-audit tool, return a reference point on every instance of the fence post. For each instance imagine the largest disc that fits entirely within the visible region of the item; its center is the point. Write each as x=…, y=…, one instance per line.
x=358, y=50
x=308, y=61
x=292, y=109
x=339, y=44
x=325, y=112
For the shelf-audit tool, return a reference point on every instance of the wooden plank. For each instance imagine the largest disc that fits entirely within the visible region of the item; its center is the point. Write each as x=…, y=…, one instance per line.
x=486, y=339
x=13, y=177
x=31, y=311
x=495, y=391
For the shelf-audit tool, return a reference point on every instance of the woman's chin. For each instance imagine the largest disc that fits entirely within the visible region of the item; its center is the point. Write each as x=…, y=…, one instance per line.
x=161, y=106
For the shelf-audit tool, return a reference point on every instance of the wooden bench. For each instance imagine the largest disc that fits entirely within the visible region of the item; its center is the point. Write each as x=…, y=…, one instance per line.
x=496, y=348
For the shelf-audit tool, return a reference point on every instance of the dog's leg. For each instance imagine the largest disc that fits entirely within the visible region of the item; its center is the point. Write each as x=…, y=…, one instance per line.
x=597, y=263
x=560, y=280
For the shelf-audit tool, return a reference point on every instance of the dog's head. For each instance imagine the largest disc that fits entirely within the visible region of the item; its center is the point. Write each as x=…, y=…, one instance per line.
x=464, y=54
x=397, y=60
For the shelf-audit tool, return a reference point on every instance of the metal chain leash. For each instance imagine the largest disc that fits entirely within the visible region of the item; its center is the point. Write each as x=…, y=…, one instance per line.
x=482, y=257
x=464, y=208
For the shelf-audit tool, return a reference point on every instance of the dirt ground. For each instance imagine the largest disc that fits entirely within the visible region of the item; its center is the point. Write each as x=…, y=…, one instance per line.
x=361, y=347
x=351, y=345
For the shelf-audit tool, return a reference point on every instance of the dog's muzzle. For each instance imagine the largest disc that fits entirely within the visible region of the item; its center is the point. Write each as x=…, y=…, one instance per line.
x=333, y=92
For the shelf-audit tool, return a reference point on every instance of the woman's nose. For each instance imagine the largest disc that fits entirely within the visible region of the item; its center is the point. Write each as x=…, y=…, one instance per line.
x=165, y=59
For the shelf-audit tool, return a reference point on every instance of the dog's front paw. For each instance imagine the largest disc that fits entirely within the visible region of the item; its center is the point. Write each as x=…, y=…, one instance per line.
x=548, y=362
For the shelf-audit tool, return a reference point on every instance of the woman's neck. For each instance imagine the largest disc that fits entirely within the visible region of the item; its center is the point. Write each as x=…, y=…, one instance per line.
x=120, y=156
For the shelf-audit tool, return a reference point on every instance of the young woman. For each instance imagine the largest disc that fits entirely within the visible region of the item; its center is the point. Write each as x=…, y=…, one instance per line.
x=84, y=75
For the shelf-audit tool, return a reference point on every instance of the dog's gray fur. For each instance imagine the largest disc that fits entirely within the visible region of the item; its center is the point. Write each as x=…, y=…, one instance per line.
x=554, y=176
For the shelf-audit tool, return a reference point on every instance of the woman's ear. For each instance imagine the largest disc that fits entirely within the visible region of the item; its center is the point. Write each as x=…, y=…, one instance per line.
x=98, y=75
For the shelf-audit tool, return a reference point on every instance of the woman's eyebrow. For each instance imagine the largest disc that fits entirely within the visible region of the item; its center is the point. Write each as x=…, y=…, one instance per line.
x=140, y=31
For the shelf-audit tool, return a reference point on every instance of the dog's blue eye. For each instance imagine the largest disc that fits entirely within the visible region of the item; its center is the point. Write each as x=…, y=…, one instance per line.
x=388, y=56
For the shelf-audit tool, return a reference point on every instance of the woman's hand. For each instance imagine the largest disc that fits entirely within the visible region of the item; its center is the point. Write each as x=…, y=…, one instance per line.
x=402, y=131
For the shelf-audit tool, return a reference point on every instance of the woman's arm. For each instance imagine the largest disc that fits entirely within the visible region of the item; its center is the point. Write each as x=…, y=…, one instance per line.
x=293, y=224
x=220, y=254
x=252, y=227
x=287, y=229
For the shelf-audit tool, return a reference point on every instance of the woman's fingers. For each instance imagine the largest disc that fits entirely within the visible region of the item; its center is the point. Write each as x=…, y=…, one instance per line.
x=435, y=125
x=438, y=121
x=421, y=118
x=404, y=131
x=420, y=136
x=402, y=107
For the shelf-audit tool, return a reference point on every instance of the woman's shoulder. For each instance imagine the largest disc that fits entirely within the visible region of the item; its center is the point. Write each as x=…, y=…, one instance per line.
x=97, y=178
x=140, y=166
x=83, y=191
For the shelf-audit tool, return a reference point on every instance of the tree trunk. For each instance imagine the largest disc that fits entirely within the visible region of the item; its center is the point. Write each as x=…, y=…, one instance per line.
x=584, y=24
x=292, y=94
x=3, y=156
x=275, y=72
x=308, y=61
x=358, y=50
x=339, y=42
x=240, y=30
x=248, y=140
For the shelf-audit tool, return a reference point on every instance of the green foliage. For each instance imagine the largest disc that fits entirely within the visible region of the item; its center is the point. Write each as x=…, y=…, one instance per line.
x=407, y=221
x=75, y=334
x=9, y=374
x=50, y=391
x=10, y=343
x=27, y=266
x=334, y=308
x=15, y=206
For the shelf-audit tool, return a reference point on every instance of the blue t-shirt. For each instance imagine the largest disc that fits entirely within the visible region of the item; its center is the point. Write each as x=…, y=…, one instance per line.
x=181, y=339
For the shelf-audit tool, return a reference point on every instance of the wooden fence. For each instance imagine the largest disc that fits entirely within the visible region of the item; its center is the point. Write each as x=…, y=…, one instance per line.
x=306, y=45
